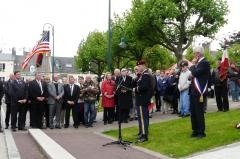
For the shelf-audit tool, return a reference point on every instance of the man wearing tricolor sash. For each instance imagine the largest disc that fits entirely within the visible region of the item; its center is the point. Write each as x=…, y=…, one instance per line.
x=198, y=92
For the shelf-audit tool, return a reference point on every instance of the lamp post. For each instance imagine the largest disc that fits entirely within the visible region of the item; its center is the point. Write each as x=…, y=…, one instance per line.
x=122, y=44
x=53, y=60
x=109, y=58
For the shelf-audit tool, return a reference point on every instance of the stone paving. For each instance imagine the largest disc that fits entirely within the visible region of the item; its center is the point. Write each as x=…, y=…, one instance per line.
x=87, y=143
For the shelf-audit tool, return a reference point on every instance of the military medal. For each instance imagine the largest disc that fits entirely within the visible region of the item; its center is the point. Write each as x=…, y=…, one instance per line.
x=199, y=89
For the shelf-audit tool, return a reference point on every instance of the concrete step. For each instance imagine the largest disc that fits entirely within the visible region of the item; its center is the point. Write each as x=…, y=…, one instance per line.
x=49, y=147
x=10, y=148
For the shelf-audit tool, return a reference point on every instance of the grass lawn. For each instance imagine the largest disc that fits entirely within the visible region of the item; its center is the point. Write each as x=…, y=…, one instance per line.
x=172, y=138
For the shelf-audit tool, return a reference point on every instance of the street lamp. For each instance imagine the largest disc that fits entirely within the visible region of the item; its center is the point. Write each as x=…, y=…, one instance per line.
x=122, y=44
x=52, y=28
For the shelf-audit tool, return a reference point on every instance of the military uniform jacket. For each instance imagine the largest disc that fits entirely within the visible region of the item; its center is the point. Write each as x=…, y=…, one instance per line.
x=144, y=89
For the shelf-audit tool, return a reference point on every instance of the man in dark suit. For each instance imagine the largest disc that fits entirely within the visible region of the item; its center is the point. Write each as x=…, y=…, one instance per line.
x=37, y=95
x=115, y=78
x=221, y=89
x=144, y=92
x=19, y=96
x=124, y=95
x=70, y=98
x=157, y=95
x=1, y=95
x=198, y=92
x=8, y=98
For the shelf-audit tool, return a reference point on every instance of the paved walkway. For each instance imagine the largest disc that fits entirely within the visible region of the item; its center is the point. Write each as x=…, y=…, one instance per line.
x=87, y=143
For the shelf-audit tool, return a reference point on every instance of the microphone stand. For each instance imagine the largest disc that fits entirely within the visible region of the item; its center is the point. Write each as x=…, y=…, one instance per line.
x=120, y=142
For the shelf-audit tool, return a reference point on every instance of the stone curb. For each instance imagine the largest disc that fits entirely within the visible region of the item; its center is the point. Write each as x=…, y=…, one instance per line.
x=12, y=150
x=48, y=146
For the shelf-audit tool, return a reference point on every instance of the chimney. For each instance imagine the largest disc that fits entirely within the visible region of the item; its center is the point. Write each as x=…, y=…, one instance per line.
x=14, y=51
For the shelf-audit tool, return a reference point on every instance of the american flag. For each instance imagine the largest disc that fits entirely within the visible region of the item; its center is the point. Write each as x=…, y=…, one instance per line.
x=41, y=47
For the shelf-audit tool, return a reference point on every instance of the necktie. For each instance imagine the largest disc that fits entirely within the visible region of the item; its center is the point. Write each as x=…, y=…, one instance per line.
x=40, y=85
x=71, y=89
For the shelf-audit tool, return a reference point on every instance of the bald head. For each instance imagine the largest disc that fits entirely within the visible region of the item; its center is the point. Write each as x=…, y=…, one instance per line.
x=117, y=72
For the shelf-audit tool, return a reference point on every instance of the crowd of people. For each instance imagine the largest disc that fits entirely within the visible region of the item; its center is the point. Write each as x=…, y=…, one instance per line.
x=124, y=96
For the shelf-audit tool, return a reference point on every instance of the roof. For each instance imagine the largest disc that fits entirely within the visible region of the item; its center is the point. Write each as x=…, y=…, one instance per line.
x=62, y=64
x=6, y=57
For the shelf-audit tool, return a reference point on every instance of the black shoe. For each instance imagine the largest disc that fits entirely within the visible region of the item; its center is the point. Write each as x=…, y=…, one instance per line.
x=142, y=139
x=75, y=126
x=125, y=121
x=6, y=127
x=200, y=136
x=58, y=127
x=51, y=127
x=14, y=129
x=66, y=126
x=1, y=130
x=186, y=115
x=22, y=129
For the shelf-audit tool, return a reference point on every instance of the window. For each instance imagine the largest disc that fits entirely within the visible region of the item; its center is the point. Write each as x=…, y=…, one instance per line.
x=68, y=65
x=2, y=67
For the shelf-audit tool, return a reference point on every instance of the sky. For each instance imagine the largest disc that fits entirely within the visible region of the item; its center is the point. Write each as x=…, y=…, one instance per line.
x=22, y=21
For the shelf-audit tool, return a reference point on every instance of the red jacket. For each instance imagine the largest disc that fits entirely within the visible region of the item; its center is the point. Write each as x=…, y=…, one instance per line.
x=108, y=87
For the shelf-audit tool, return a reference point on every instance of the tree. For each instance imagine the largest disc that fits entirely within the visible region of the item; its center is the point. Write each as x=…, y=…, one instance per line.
x=173, y=23
x=158, y=57
x=91, y=54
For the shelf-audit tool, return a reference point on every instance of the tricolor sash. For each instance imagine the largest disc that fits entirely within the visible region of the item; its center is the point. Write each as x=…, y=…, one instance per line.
x=199, y=89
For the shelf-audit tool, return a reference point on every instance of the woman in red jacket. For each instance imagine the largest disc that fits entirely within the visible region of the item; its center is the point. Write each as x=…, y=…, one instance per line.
x=108, y=91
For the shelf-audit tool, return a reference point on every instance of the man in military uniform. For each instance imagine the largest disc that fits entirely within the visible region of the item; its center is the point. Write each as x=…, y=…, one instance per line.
x=143, y=98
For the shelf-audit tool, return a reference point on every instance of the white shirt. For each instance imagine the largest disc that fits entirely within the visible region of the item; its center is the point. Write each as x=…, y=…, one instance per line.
x=40, y=85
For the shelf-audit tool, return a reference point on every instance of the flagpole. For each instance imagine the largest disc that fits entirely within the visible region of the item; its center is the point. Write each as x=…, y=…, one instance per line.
x=53, y=57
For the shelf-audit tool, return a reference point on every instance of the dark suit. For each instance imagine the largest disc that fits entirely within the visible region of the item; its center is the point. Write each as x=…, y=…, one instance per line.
x=202, y=73
x=1, y=95
x=157, y=99
x=18, y=91
x=143, y=98
x=74, y=97
x=37, y=109
x=124, y=98
x=221, y=91
x=7, y=101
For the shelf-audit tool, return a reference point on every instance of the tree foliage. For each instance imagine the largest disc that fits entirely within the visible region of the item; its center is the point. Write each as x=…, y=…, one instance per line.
x=173, y=23
x=92, y=53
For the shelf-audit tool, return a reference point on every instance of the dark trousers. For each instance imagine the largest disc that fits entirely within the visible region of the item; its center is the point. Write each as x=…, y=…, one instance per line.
x=72, y=108
x=18, y=115
x=157, y=101
x=37, y=114
x=221, y=93
x=143, y=120
x=108, y=114
x=174, y=103
x=46, y=114
x=197, y=115
x=80, y=112
x=8, y=112
x=124, y=114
